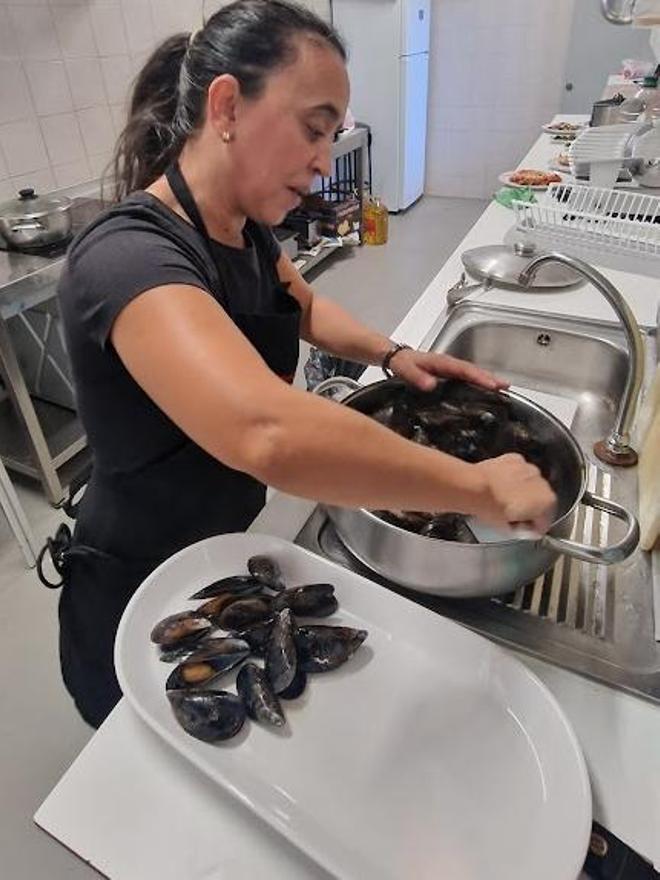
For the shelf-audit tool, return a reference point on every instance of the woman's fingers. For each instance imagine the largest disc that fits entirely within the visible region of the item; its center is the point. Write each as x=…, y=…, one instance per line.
x=422, y=369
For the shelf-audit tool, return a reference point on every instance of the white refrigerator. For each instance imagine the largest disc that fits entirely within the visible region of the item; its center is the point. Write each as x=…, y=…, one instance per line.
x=388, y=44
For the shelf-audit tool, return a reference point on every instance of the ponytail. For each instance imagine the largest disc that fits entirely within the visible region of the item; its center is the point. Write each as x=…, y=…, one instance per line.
x=248, y=39
x=149, y=142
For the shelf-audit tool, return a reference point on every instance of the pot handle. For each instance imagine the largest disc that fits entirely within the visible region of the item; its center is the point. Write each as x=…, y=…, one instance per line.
x=337, y=383
x=600, y=555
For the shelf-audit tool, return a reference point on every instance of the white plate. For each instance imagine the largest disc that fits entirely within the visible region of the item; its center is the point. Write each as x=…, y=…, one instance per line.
x=432, y=752
x=559, y=132
x=504, y=178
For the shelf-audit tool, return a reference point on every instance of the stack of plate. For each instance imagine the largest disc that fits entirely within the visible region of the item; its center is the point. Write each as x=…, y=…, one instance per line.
x=600, y=153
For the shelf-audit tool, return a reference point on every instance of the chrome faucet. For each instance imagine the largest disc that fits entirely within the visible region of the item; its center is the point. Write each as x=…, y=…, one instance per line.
x=615, y=449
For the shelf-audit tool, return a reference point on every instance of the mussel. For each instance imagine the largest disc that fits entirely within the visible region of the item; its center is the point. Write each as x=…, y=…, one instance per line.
x=267, y=571
x=257, y=694
x=202, y=649
x=204, y=666
x=281, y=657
x=213, y=607
x=245, y=612
x=323, y=648
x=208, y=715
x=240, y=584
x=310, y=600
x=448, y=527
x=297, y=686
x=184, y=627
x=256, y=635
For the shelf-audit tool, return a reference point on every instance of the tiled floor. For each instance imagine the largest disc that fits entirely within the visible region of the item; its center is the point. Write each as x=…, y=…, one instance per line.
x=40, y=731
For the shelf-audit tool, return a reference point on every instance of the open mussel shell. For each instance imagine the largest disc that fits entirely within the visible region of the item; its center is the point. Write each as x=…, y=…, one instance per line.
x=260, y=700
x=267, y=571
x=245, y=612
x=184, y=627
x=256, y=635
x=323, y=648
x=239, y=584
x=310, y=600
x=213, y=607
x=208, y=715
x=281, y=656
x=204, y=666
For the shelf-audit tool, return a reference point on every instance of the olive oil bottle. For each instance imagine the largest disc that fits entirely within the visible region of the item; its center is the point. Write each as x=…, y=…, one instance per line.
x=374, y=221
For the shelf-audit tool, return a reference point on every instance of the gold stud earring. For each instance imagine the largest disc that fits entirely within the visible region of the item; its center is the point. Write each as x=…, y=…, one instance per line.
x=226, y=136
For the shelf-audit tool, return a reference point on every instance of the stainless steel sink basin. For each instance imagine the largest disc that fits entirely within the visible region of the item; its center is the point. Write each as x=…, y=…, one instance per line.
x=592, y=619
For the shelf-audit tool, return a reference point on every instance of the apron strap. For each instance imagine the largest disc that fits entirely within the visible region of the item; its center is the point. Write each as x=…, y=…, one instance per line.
x=185, y=198
x=61, y=548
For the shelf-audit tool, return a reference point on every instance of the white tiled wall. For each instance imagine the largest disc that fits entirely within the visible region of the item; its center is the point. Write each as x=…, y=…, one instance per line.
x=65, y=70
x=496, y=74
x=66, y=67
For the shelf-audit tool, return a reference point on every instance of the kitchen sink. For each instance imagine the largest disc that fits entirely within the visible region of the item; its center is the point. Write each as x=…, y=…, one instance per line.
x=592, y=619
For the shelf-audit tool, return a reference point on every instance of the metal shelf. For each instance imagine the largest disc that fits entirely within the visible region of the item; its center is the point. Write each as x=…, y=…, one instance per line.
x=62, y=430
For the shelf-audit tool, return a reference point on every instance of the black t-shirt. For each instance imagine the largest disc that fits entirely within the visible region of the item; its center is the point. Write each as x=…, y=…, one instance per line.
x=152, y=489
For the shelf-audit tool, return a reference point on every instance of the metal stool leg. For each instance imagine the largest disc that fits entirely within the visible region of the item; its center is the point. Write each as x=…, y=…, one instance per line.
x=17, y=518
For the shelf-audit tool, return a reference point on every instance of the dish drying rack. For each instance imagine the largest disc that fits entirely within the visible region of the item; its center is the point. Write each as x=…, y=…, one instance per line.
x=577, y=219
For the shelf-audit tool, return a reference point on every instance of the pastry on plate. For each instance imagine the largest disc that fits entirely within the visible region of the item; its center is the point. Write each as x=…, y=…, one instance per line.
x=531, y=177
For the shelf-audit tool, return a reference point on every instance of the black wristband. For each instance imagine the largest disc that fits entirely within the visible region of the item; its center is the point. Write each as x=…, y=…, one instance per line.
x=385, y=365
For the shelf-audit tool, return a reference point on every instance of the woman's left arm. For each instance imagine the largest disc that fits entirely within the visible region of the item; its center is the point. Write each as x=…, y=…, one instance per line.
x=331, y=328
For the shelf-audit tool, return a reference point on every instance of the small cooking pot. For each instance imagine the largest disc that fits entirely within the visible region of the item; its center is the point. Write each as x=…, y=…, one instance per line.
x=448, y=568
x=32, y=222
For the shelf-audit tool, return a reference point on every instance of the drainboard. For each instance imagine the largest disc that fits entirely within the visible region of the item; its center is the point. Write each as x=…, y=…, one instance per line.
x=592, y=619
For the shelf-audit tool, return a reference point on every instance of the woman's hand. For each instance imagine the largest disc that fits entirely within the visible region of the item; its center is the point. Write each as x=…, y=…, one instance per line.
x=515, y=493
x=423, y=368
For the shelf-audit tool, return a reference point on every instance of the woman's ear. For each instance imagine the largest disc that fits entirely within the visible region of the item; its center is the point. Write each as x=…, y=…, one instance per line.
x=221, y=105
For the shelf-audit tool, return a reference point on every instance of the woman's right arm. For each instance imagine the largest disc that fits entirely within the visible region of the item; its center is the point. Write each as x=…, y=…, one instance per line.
x=189, y=357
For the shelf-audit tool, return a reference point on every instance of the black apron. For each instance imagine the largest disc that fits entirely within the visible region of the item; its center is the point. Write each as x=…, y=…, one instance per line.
x=100, y=576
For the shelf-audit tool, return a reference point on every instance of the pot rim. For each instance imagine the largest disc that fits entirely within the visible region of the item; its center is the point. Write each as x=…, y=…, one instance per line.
x=513, y=395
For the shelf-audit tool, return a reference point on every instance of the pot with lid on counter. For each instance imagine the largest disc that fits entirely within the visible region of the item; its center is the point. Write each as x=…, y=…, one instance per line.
x=32, y=222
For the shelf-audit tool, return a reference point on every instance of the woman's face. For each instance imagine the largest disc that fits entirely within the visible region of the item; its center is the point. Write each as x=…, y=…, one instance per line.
x=282, y=139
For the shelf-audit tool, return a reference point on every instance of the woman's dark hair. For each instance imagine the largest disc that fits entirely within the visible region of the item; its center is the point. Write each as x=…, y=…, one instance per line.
x=248, y=39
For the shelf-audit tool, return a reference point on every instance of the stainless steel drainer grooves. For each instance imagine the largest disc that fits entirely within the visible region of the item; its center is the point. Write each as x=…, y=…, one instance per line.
x=572, y=593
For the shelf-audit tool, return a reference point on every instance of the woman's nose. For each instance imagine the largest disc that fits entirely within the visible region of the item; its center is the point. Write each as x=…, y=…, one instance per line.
x=323, y=159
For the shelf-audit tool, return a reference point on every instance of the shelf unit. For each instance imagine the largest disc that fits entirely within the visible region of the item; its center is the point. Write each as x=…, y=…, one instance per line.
x=348, y=155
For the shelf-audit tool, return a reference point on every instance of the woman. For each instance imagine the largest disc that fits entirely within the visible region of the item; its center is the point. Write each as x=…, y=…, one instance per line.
x=183, y=317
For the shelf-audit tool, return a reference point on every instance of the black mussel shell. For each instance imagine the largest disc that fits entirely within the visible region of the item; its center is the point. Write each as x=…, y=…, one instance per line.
x=281, y=657
x=188, y=626
x=207, y=647
x=208, y=715
x=461, y=393
x=296, y=687
x=245, y=612
x=309, y=600
x=240, y=584
x=256, y=635
x=257, y=694
x=266, y=570
x=448, y=527
x=323, y=648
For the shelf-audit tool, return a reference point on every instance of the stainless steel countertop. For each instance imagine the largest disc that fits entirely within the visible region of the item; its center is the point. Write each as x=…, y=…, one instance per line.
x=26, y=279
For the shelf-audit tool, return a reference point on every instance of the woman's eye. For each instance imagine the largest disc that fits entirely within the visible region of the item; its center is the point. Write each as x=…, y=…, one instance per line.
x=314, y=134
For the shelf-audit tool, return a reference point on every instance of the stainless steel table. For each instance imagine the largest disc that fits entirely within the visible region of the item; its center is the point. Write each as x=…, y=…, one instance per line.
x=37, y=437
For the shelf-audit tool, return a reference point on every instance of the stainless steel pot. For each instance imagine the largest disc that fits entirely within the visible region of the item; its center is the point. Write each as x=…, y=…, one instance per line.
x=447, y=568
x=32, y=222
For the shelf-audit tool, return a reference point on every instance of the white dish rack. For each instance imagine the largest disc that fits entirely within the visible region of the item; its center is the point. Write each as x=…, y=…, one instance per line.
x=577, y=219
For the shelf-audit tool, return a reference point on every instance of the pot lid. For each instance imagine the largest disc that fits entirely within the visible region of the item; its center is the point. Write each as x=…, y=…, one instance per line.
x=30, y=206
x=503, y=264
